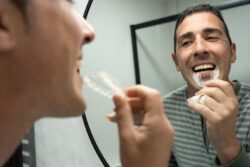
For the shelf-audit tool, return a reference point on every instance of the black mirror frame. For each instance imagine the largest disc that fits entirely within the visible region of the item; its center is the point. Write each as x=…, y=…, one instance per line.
x=84, y=118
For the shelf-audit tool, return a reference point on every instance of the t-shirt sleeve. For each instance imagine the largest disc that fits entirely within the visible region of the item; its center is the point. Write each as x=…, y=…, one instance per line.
x=242, y=160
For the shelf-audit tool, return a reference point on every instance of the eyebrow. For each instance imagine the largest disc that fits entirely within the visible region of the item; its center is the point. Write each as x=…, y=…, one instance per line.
x=185, y=35
x=206, y=30
x=213, y=30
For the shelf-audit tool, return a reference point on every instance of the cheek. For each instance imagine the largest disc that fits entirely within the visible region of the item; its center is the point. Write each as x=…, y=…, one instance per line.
x=223, y=56
x=183, y=58
x=220, y=49
x=73, y=26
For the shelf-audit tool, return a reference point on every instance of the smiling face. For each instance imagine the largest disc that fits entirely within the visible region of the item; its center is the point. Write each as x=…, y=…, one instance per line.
x=203, y=49
x=46, y=54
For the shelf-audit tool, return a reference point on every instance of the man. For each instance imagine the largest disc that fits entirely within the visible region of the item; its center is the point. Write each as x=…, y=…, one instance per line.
x=211, y=114
x=40, y=46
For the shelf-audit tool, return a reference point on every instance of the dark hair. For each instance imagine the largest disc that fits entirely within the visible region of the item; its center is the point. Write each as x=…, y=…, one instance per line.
x=197, y=9
x=21, y=5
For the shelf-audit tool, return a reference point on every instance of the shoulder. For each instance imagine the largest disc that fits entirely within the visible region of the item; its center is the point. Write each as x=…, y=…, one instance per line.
x=175, y=100
x=176, y=94
x=244, y=91
x=244, y=98
x=245, y=87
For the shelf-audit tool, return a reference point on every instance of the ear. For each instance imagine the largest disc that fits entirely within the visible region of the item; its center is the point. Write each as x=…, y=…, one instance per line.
x=174, y=58
x=233, y=51
x=6, y=40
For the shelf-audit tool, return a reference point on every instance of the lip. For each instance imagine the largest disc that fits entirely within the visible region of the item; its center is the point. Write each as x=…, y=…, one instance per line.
x=79, y=58
x=79, y=78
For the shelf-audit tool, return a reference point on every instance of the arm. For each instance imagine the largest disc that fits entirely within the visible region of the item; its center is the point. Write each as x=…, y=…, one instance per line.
x=242, y=160
x=149, y=144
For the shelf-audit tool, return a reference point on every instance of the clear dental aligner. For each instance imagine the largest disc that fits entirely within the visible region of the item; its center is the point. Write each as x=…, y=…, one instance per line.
x=112, y=83
x=199, y=99
x=200, y=82
x=103, y=84
x=106, y=85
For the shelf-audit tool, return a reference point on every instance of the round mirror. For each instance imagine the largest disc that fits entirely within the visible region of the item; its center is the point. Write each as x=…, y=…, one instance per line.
x=64, y=142
x=112, y=52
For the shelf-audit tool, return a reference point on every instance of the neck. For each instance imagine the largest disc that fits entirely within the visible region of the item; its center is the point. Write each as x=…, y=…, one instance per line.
x=15, y=120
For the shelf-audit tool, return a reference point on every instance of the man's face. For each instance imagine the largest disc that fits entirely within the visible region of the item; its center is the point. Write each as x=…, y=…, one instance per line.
x=49, y=51
x=202, y=48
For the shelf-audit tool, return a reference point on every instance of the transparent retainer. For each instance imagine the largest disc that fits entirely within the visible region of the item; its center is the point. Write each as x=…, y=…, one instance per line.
x=103, y=84
x=106, y=85
x=200, y=82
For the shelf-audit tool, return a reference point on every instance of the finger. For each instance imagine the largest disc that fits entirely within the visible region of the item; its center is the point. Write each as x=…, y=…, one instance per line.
x=137, y=110
x=123, y=116
x=203, y=110
x=135, y=104
x=212, y=92
x=199, y=98
x=225, y=86
x=140, y=91
x=210, y=102
x=213, y=105
x=150, y=98
x=111, y=117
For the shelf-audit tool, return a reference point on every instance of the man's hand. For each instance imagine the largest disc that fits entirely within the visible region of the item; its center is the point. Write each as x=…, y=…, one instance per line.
x=148, y=144
x=219, y=110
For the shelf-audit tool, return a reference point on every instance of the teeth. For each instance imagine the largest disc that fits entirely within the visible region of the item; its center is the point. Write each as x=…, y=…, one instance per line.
x=203, y=66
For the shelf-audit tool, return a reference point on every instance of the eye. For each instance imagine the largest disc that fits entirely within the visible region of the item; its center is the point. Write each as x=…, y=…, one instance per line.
x=212, y=38
x=186, y=42
x=71, y=1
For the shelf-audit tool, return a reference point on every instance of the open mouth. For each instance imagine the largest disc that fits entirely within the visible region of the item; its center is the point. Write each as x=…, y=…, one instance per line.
x=205, y=72
x=78, y=73
x=79, y=63
x=203, y=67
x=78, y=67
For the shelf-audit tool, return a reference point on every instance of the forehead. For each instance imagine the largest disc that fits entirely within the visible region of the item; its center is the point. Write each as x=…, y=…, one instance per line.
x=197, y=22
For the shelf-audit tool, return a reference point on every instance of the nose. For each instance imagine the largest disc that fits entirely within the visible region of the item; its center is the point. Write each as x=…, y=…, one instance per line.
x=88, y=32
x=200, y=47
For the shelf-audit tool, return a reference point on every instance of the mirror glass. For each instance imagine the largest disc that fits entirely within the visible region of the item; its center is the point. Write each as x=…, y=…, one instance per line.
x=112, y=52
x=64, y=142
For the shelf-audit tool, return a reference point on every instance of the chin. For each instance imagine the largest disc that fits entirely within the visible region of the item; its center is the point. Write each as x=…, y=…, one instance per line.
x=69, y=105
x=71, y=101
x=77, y=106
x=192, y=85
x=73, y=110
